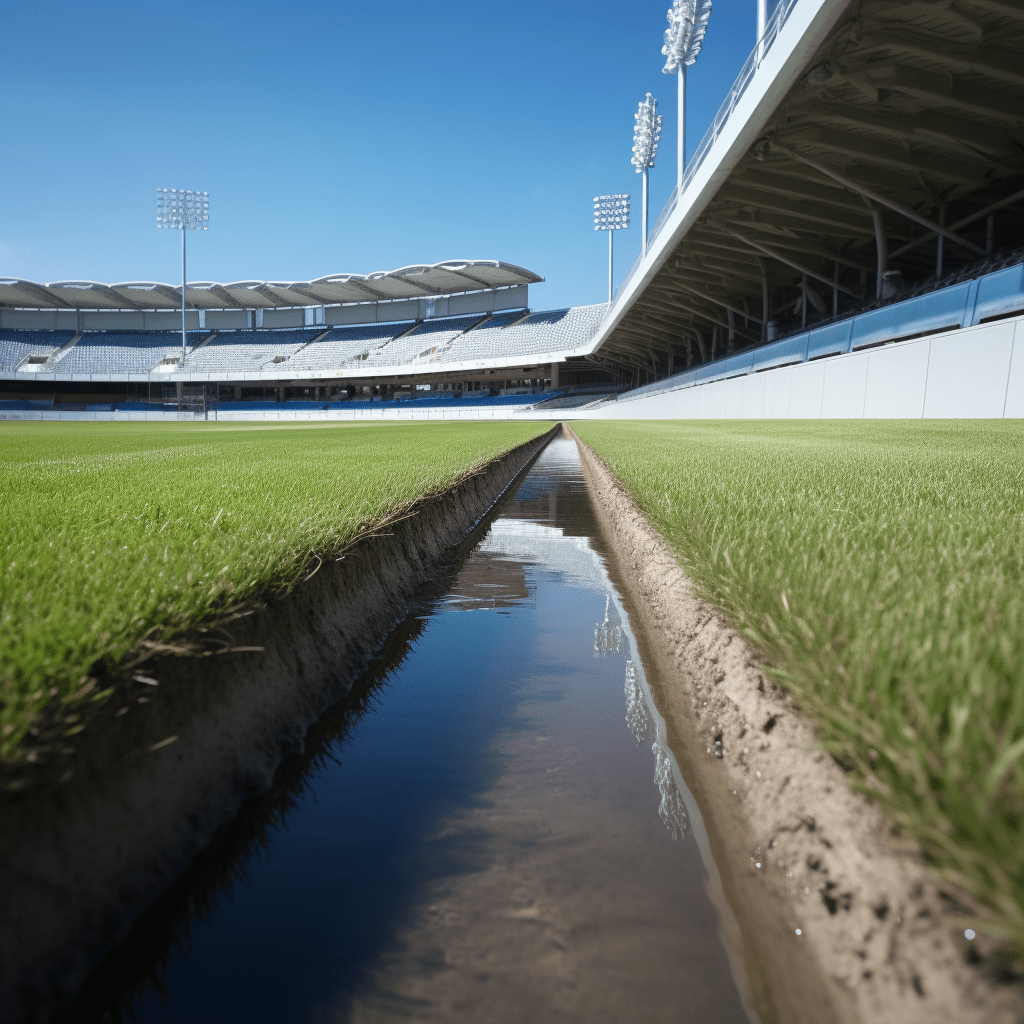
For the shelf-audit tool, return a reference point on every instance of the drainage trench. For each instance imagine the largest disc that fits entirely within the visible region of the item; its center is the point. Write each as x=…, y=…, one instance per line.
x=491, y=827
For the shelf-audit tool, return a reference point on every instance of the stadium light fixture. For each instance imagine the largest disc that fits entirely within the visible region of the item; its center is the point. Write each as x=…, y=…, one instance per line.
x=687, y=23
x=611, y=214
x=183, y=210
x=646, y=135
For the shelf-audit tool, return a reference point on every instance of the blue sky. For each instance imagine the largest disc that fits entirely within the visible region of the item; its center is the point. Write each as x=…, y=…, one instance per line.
x=350, y=137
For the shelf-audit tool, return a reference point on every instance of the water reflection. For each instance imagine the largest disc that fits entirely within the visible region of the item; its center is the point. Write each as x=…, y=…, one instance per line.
x=636, y=707
x=608, y=640
x=672, y=809
x=530, y=540
x=477, y=841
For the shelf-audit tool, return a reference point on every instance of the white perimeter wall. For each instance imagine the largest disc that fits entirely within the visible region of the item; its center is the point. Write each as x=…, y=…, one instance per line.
x=977, y=372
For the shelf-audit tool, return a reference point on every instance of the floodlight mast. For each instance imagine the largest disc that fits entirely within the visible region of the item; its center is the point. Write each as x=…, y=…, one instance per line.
x=687, y=23
x=188, y=211
x=645, y=148
x=611, y=213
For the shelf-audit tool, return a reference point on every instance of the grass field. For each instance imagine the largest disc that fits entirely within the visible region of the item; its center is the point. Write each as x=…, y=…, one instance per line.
x=115, y=532
x=879, y=567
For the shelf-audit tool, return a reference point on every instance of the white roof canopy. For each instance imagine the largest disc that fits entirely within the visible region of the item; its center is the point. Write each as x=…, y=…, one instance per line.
x=448, y=278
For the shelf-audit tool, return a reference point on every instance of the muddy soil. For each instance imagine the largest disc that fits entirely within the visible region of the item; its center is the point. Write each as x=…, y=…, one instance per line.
x=841, y=920
x=98, y=833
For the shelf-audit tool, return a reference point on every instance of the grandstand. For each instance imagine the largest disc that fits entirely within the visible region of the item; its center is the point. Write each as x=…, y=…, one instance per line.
x=342, y=346
x=114, y=352
x=402, y=352
x=864, y=153
x=245, y=351
x=18, y=347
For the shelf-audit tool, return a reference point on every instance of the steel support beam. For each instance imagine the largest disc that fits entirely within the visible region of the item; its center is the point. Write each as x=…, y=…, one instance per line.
x=719, y=302
x=881, y=248
x=977, y=215
x=868, y=193
x=783, y=259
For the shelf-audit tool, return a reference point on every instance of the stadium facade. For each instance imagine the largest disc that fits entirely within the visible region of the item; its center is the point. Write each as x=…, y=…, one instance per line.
x=860, y=189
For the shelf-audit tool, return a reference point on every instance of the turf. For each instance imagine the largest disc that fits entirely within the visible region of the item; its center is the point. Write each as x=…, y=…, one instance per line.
x=118, y=532
x=879, y=569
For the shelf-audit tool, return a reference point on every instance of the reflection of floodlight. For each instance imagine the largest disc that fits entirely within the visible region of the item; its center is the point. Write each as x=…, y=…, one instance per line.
x=611, y=214
x=646, y=136
x=183, y=210
x=607, y=638
x=671, y=809
x=636, y=713
x=687, y=23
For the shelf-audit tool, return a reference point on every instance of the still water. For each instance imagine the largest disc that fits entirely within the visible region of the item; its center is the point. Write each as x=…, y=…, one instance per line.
x=491, y=829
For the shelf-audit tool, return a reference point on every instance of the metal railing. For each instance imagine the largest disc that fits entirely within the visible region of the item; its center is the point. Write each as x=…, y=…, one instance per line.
x=776, y=21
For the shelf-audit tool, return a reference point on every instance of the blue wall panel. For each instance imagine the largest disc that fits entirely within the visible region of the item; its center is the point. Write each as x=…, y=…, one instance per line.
x=1000, y=293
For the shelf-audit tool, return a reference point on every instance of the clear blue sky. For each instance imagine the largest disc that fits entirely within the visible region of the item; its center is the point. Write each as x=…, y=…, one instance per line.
x=345, y=137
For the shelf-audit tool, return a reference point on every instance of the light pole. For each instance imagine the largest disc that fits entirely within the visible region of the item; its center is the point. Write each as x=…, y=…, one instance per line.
x=687, y=23
x=610, y=214
x=645, y=148
x=188, y=211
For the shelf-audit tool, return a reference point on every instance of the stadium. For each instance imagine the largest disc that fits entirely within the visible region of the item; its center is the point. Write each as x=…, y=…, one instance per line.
x=672, y=670
x=845, y=198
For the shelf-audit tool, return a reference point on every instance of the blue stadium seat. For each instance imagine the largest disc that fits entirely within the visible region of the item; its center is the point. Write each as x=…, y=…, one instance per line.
x=121, y=351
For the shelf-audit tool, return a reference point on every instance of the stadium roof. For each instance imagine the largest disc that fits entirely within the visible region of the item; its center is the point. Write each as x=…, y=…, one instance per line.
x=843, y=151
x=448, y=278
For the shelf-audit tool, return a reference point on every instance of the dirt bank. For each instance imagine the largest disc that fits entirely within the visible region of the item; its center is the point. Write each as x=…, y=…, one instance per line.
x=841, y=920
x=186, y=737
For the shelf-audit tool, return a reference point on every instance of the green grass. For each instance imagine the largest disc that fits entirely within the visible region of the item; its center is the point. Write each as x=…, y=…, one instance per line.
x=116, y=532
x=879, y=568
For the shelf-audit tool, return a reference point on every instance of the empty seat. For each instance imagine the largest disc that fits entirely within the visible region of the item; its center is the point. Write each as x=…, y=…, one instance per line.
x=120, y=351
x=246, y=351
x=16, y=346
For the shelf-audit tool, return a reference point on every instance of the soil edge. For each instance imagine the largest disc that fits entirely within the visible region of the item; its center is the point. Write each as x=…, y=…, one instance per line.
x=841, y=921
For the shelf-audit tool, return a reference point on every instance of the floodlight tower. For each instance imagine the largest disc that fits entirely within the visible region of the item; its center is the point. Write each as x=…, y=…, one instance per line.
x=687, y=23
x=189, y=211
x=610, y=214
x=645, y=148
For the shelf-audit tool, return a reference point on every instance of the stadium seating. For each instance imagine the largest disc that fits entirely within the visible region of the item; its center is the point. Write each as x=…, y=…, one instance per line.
x=121, y=352
x=342, y=346
x=17, y=346
x=436, y=343
x=246, y=351
x=21, y=405
x=537, y=334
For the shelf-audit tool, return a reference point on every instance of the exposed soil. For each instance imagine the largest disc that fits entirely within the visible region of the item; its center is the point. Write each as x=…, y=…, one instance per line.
x=841, y=919
x=99, y=832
